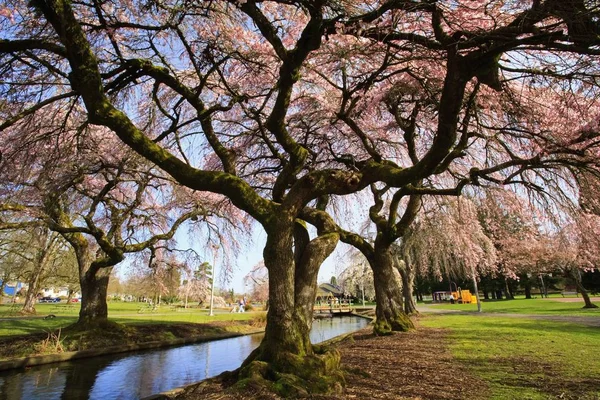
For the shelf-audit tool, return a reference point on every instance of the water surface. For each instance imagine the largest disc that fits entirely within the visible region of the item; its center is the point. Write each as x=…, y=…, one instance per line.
x=140, y=374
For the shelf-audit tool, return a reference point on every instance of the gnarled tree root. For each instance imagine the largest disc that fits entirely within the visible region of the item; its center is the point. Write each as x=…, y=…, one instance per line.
x=398, y=323
x=294, y=376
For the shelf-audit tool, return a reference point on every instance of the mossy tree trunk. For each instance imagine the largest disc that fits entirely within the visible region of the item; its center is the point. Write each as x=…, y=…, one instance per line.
x=286, y=361
x=94, y=286
x=408, y=279
x=94, y=275
x=94, y=267
x=390, y=315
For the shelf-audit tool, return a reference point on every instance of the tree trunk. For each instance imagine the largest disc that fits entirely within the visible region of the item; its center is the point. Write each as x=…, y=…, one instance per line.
x=576, y=274
x=70, y=295
x=527, y=287
x=286, y=354
x=509, y=294
x=408, y=278
x=2, y=285
x=94, y=286
x=30, y=295
x=486, y=295
x=389, y=311
x=44, y=243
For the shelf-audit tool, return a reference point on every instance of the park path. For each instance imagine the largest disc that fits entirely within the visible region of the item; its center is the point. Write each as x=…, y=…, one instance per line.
x=575, y=319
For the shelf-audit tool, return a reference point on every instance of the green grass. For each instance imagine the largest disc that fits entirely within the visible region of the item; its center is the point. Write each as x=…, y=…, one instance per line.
x=121, y=312
x=525, y=359
x=26, y=326
x=525, y=306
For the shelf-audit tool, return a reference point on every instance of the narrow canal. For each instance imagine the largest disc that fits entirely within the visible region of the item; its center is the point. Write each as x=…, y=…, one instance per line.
x=141, y=374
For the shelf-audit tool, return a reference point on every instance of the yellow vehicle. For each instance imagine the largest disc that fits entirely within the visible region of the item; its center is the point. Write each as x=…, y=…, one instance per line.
x=465, y=296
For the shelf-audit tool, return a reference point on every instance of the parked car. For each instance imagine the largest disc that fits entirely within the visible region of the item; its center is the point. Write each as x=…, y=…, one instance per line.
x=75, y=300
x=49, y=299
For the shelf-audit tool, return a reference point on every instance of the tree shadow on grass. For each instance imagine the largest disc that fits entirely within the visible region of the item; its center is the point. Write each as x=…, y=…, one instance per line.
x=544, y=377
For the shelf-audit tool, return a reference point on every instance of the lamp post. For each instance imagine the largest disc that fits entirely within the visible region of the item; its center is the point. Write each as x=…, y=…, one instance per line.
x=212, y=286
x=476, y=291
x=362, y=286
x=542, y=286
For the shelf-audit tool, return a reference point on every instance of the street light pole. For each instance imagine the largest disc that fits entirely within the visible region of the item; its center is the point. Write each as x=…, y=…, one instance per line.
x=363, y=285
x=212, y=286
x=476, y=291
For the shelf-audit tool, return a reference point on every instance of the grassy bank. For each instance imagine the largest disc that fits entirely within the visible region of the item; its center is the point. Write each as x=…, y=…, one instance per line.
x=124, y=313
x=524, y=359
x=129, y=324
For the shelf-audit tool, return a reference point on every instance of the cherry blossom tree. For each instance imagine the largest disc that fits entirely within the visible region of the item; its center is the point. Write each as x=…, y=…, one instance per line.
x=277, y=104
x=105, y=205
x=449, y=241
x=357, y=279
x=257, y=281
x=196, y=284
x=575, y=248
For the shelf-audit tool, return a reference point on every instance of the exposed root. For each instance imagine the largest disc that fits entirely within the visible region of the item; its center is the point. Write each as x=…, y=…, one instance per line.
x=294, y=376
x=400, y=323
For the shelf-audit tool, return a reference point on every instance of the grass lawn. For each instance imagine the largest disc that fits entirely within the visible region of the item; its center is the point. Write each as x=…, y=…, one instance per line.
x=129, y=323
x=526, y=306
x=125, y=313
x=525, y=359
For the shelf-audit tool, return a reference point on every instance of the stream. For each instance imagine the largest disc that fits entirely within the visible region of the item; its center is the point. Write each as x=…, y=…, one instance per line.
x=139, y=374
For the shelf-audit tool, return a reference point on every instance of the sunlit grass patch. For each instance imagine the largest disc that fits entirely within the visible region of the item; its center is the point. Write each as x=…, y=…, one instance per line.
x=526, y=359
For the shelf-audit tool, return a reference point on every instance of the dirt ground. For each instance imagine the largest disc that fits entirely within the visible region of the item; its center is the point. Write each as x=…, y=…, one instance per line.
x=385, y=368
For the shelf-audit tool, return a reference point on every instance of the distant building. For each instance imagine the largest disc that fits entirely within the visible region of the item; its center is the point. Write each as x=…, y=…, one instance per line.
x=52, y=291
x=327, y=291
x=13, y=288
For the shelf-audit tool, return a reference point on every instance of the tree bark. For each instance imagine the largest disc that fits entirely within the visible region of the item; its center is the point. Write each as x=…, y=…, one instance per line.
x=2, y=285
x=286, y=353
x=576, y=274
x=408, y=278
x=70, y=295
x=94, y=286
x=30, y=295
x=527, y=286
x=390, y=315
x=43, y=251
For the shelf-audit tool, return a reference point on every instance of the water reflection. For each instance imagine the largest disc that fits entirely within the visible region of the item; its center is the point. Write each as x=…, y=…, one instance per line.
x=135, y=375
